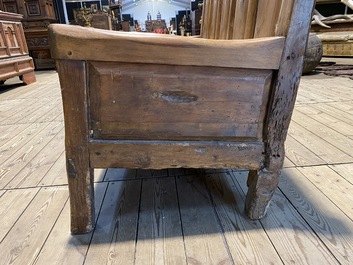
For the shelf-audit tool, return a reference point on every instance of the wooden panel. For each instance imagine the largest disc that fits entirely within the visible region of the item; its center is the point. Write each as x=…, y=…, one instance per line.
x=162, y=154
x=67, y=42
x=245, y=19
x=130, y=101
x=266, y=18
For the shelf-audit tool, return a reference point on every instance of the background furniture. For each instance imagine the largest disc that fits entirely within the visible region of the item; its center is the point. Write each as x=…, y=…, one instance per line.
x=14, y=58
x=37, y=15
x=150, y=101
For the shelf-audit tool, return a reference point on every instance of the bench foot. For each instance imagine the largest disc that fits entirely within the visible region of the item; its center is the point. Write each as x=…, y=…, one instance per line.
x=28, y=78
x=262, y=185
x=81, y=200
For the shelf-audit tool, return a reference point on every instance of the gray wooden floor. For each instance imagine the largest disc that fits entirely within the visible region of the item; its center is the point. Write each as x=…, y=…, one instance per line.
x=177, y=216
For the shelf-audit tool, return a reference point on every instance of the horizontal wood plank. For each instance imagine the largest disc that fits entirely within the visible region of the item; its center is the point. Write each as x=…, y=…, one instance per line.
x=161, y=154
x=67, y=42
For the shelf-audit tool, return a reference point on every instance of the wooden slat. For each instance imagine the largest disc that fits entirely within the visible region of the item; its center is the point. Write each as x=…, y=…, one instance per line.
x=19, y=139
x=119, y=174
x=300, y=155
x=159, y=225
x=326, y=151
x=330, y=224
x=204, y=244
x=333, y=109
x=345, y=170
x=237, y=228
x=327, y=134
x=224, y=23
x=266, y=17
x=292, y=237
x=15, y=163
x=116, y=229
x=32, y=174
x=284, y=16
x=56, y=175
x=161, y=154
x=67, y=42
x=332, y=185
x=24, y=241
x=13, y=203
x=149, y=173
x=62, y=248
x=245, y=19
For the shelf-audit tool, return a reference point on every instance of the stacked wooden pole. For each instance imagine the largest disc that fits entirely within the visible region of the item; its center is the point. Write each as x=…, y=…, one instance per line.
x=245, y=19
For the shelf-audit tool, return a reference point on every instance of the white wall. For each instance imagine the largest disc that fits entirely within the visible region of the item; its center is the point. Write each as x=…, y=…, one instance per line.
x=139, y=12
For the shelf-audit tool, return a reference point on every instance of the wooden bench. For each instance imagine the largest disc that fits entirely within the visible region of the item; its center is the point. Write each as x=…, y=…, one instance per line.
x=150, y=101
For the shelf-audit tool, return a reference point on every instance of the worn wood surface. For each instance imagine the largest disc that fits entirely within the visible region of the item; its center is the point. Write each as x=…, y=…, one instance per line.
x=286, y=84
x=162, y=154
x=165, y=49
x=80, y=176
x=133, y=107
x=176, y=102
x=308, y=221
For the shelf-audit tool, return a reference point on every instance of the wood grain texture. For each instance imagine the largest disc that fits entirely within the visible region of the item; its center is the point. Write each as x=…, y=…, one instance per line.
x=332, y=185
x=161, y=154
x=329, y=223
x=13, y=203
x=248, y=244
x=301, y=155
x=13, y=165
x=23, y=242
x=159, y=225
x=325, y=150
x=266, y=17
x=262, y=53
x=345, y=170
x=80, y=176
x=293, y=238
x=176, y=102
x=114, y=238
x=203, y=243
x=62, y=248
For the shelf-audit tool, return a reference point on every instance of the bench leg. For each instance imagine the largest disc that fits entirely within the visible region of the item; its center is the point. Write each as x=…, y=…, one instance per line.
x=81, y=192
x=262, y=184
x=28, y=78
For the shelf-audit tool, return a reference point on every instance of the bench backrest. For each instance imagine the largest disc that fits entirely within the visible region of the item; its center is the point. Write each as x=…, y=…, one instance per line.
x=245, y=19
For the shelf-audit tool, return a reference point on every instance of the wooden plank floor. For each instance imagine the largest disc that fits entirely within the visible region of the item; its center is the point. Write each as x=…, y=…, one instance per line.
x=177, y=216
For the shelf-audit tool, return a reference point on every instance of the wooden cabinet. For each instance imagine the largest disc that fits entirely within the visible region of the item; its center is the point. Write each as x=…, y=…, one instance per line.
x=37, y=15
x=14, y=58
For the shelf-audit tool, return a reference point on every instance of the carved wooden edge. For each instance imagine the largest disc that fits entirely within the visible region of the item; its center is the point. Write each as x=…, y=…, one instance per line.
x=72, y=76
x=67, y=41
x=10, y=16
x=286, y=84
